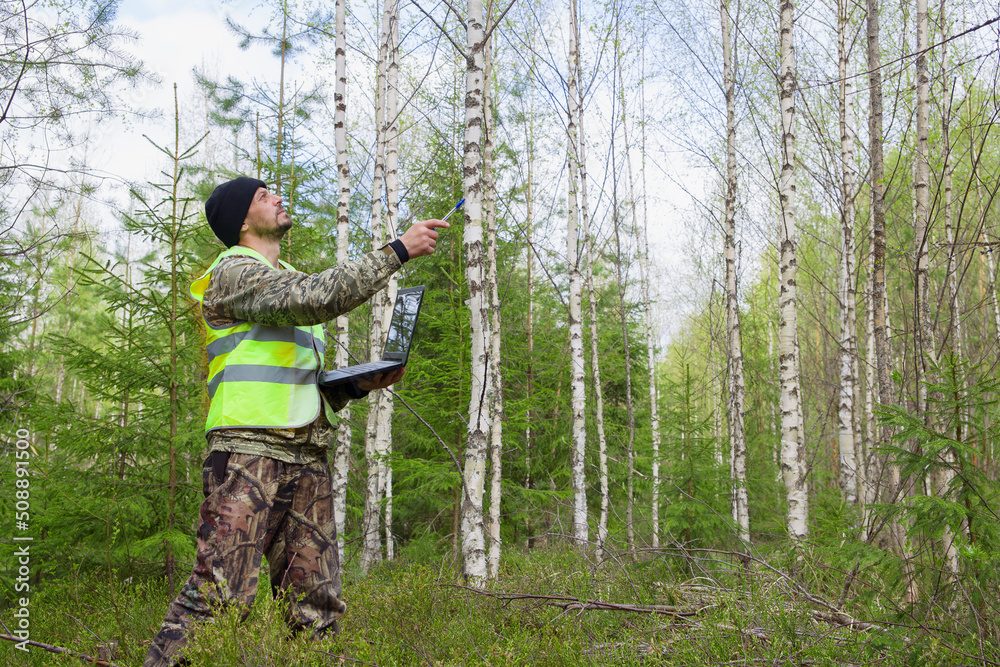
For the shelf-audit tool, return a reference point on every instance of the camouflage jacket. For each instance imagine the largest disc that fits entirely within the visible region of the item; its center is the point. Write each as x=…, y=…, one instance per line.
x=244, y=289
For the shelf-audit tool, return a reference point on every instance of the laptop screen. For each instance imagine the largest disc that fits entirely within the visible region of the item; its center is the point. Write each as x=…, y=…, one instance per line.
x=404, y=321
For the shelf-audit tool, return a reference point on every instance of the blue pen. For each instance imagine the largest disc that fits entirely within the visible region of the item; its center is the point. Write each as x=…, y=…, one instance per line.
x=454, y=209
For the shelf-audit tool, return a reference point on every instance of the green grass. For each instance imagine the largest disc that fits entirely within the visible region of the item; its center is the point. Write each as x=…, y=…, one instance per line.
x=419, y=613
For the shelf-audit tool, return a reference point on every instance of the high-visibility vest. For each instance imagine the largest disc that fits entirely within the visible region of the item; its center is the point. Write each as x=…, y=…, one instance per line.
x=261, y=376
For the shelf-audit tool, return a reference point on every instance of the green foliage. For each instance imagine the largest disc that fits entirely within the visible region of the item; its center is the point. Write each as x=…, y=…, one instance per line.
x=695, y=484
x=944, y=454
x=101, y=464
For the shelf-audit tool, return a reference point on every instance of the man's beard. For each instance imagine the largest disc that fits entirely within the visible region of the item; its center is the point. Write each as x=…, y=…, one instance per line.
x=275, y=233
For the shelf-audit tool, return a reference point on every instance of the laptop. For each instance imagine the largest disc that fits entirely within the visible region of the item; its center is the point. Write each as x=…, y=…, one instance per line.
x=397, y=341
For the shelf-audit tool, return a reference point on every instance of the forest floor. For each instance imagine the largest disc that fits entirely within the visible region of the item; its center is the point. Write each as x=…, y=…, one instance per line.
x=549, y=607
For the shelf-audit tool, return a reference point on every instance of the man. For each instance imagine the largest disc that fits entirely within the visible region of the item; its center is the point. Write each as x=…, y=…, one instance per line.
x=266, y=481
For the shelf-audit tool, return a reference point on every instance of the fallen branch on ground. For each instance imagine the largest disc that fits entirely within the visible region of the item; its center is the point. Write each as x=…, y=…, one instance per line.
x=59, y=649
x=568, y=603
x=842, y=619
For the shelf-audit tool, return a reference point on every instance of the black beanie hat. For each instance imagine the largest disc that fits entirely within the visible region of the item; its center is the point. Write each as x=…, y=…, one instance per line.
x=227, y=207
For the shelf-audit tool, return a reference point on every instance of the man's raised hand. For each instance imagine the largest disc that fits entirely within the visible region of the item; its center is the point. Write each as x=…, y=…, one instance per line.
x=421, y=238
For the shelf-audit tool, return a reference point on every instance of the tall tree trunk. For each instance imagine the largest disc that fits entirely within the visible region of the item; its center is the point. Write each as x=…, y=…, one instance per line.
x=986, y=256
x=622, y=311
x=883, y=354
x=578, y=452
x=384, y=444
x=595, y=365
x=923, y=339
x=371, y=548
x=734, y=347
x=947, y=170
x=943, y=474
x=342, y=458
x=529, y=388
x=923, y=344
x=644, y=279
x=869, y=491
x=495, y=366
x=792, y=455
x=473, y=547
x=847, y=437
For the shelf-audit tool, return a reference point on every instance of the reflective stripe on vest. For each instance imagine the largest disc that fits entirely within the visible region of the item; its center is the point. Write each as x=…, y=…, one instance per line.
x=261, y=376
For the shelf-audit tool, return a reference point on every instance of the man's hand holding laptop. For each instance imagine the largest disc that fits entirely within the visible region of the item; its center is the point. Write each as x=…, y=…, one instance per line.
x=380, y=381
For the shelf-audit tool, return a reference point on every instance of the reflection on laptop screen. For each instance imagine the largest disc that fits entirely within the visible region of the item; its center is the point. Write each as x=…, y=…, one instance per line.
x=404, y=316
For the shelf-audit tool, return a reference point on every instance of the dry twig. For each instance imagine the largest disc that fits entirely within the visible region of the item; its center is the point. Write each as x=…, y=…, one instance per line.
x=568, y=603
x=59, y=649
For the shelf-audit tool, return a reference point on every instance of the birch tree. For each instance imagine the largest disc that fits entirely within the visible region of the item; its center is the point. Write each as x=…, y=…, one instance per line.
x=619, y=89
x=883, y=354
x=734, y=347
x=529, y=222
x=847, y=441
x=577, y=454
x=792, y=455
x=384, y=444
x=924, y=345
x=371, y=548
x=595, y=363
x=473, y=540
x=947, y=171
x=342, y=458
x=641, y=236
x=943, y=475
x=495, y=365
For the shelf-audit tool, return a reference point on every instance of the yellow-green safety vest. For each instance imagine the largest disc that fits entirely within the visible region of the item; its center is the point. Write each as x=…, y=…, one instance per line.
x=261, y=376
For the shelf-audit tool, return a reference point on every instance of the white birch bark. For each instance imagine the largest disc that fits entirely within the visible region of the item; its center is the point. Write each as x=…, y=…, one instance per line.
x=867, y=482
x=342, y=458
x=943, y=475
x=792, y=455
x=954, y=254
x=846, y=438
x=619, y=88
x=921, y=199
x=651, y=341
x=579, y=400
x=629, y=408
x=635, y=234
x=473, y=539
x=924, y=343
x=734, y=347
x=987, y=249
x=883, y=354
x=529, y=388
x=371, y=548
x=391, y=223
x=495, y=366
x=595, y=364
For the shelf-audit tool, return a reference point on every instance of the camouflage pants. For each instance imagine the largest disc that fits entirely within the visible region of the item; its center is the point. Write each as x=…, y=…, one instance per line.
x=261, y=506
